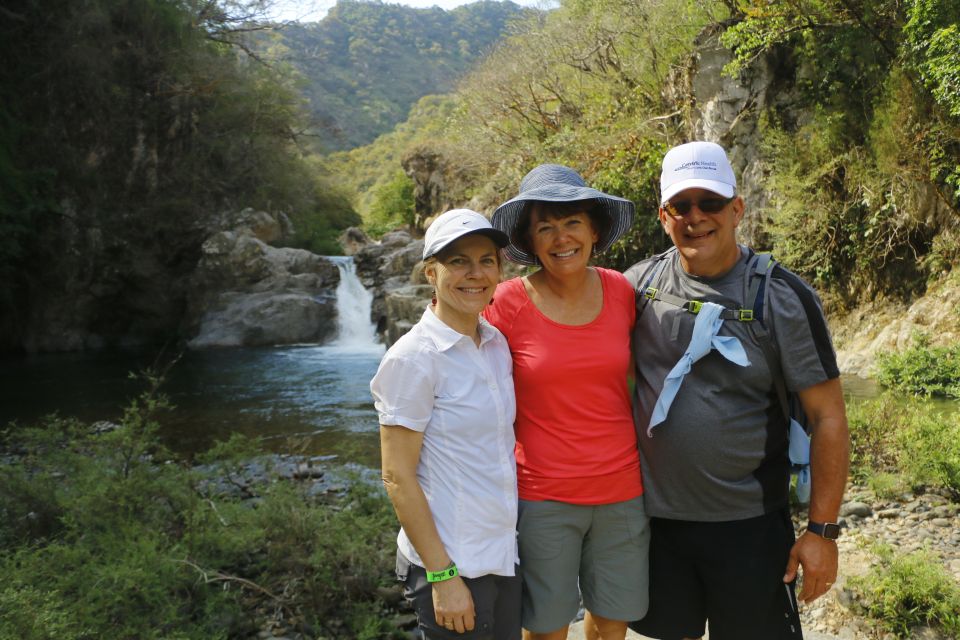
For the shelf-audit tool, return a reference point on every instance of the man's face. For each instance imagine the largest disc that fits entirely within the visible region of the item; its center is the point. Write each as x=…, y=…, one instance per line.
x=706, y=240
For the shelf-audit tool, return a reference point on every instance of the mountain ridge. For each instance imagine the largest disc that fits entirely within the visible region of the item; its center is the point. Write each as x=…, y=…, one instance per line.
x=366, y=63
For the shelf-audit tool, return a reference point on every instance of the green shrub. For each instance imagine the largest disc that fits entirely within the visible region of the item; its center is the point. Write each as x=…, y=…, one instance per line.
x=839, y=219
x=318, y=222
x=392, y=206
x=908, y=440
x=871, y=436
x=123, y=584
x=930, y=450
x=922, y=369
x=27, y=613
x=103, y=535
x=632, y=171
x=903, y=591
x=886, y=486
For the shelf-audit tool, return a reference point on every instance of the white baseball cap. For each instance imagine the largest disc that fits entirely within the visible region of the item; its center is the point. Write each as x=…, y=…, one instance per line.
x=697, y=165
x=453, y=225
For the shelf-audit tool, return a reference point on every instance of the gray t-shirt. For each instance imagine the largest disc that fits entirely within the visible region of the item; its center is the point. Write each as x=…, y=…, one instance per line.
x=721, y=454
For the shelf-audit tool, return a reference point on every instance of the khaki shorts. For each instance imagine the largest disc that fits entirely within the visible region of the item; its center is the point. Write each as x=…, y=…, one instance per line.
x=569, y=551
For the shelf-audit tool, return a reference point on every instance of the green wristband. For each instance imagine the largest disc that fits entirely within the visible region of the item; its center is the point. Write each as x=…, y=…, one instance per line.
x=444, y=574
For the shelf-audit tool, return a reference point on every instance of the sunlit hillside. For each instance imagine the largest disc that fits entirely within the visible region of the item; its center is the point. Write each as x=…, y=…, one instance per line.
x=365, y=64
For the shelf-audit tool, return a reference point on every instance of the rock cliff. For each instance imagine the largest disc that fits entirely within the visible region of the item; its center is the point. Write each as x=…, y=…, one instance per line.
x=219, y=283
x=100, y=283
x=726, y=110
x=245, y=292
x=439, y=183
x=884, y=326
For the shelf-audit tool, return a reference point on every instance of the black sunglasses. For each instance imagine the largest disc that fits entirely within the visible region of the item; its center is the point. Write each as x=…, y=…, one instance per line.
x=707, y=205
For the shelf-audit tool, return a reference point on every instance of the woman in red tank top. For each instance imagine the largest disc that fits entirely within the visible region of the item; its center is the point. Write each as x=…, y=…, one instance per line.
x=582, y=529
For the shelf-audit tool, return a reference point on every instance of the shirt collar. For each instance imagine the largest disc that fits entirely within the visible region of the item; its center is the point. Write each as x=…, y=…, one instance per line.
x=487, y=331
x=444, y=337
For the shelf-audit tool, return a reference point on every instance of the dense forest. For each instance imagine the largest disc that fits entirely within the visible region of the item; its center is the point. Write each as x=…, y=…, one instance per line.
x=365, y=64
x=127, y=128
x=854, y=143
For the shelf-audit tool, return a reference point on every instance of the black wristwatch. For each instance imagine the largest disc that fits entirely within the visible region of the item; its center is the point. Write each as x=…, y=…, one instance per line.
x=826, y=530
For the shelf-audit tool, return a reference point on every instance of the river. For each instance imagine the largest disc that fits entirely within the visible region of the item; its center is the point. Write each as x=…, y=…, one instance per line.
x=304, y=398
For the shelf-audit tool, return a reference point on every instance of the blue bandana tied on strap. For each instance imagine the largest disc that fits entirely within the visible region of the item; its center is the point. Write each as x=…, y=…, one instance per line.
x=799, y=453
x=704, y=339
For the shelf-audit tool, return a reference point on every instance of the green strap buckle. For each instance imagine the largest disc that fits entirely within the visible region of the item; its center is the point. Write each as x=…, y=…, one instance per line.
x=650, y=293
x=746, y=315
x=694, y=306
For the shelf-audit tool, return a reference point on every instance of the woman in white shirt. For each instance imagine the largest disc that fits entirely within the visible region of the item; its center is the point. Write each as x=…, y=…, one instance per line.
x=444, y=396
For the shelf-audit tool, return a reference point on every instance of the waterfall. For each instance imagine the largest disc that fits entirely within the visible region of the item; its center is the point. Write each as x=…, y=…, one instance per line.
x=354, y=327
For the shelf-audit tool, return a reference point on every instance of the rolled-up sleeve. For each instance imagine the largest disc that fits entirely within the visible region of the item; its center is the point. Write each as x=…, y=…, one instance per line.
x=403, y=393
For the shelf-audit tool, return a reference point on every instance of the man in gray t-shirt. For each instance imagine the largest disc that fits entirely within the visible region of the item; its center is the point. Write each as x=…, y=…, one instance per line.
x=715, y=468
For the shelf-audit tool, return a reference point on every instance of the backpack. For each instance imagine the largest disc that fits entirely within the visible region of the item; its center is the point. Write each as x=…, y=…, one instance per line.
x=760, y=268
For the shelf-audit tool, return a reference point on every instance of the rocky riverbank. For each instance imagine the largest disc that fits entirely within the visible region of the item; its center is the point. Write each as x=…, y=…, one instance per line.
x=927, y=520
x=322, y=479
x=909, y=522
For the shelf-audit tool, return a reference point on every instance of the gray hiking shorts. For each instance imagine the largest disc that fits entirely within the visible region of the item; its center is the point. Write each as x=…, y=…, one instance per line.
x=569, y=550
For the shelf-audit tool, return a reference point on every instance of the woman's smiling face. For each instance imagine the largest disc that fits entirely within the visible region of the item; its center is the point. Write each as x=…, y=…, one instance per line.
x=562, y=244
x=465, y=275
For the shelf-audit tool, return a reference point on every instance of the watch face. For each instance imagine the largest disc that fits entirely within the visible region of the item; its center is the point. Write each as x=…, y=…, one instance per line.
x=831, y=531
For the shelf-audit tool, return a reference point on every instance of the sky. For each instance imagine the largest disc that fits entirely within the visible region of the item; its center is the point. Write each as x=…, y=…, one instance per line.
x=314, y=10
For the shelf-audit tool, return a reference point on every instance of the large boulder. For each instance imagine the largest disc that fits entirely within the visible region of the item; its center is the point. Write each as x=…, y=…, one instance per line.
x=266, y=227
x=265, y=318
x=245, y=292
x=403, y=306
x=352, y=240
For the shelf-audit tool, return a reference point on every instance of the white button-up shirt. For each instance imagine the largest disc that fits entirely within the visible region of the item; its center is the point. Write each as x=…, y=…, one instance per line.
x=437, y=381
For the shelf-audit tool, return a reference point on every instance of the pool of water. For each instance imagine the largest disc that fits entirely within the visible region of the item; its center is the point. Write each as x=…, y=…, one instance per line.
x=311, y=399
x=306, y=399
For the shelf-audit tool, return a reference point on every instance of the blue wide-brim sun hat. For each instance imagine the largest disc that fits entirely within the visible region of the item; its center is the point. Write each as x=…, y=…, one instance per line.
x=556, y=183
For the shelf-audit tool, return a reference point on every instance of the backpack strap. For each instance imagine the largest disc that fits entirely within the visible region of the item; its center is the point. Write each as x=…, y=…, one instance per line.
x=758, y=272
x=773, y=364
x=793, y=415
x=758, y=277
x=652, y=276
x=694, y=306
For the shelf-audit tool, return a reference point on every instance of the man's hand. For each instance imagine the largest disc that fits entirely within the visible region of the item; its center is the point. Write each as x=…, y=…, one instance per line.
x=453, y=605
x=818, y=557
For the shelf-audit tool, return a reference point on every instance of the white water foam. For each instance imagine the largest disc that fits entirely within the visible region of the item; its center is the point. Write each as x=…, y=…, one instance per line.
x=355, y=331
